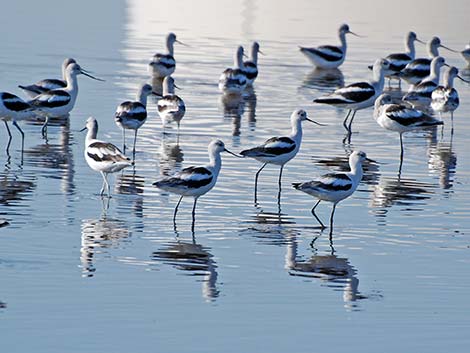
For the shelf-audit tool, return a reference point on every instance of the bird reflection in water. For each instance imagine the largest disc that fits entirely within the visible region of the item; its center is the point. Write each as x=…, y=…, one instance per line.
x=15, y=188
x=324, y=80
x=171, y=157
x=335, y=271
x=97, y=235
x=195, y=260
x=251, y=101
x=442, y=160
x=132, y=185
x=408, y=193
x=55, y=160
x=233, y=107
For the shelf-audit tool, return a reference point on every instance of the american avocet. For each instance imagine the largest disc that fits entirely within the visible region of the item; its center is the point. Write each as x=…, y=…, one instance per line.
x=335, y=187
x=60, y=102
x=420, y=68
x=329, y=56
x=358, y=95
x=466, y=54
x=48, y=84
x=13, y=108
x=133, y=114
x=170, y=106
x=420, y=94
x=195, y=181
x=398, y=61
x=446, y=98
x=251, y=66
x=102, y=156
x=279, y=150
x=233, y=80
x=163, y=65
x=400, y=118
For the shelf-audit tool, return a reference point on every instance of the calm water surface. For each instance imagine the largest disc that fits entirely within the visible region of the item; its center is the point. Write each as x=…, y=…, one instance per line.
x=81, y=274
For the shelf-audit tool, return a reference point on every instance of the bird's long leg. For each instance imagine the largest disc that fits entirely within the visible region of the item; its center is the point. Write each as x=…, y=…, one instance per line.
x=176, y=210
x=22, y=139
x=104, y=184
x=315, y=215
x=256, y=181
x=350, y=122
x=9, y=138
x=123, y=140
x=401, y=155
x=194, y=215
x=107, y=184
x=331, y=219
x=346, y=119
x=133, y=150
x=280, y=184
x=44, y=127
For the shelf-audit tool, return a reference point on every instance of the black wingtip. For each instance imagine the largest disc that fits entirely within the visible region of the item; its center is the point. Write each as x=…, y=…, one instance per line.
x=296, y=185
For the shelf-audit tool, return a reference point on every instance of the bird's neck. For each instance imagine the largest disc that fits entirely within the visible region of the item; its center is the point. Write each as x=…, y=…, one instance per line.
x=254, y=56
x=238, y=61
x=342, y=40
x=435, y=73
x=169, y=47
x=296, y=133
x=448, y=80
x=142, y=98
x=168, y=89
x=378, y=78
x=91, y=134
x=433, y=51
x=356, y=171
x=72, y=83
x=215, y=161
x=410, y=48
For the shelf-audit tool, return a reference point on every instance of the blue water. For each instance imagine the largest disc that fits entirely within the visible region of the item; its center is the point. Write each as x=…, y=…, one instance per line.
x=79, y=274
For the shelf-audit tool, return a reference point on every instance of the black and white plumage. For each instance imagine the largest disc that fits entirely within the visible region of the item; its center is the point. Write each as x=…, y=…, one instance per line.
x=13, y=108
x=48, y=84
x=398, y=61
x=60, y=102
x=420, y=68
x=420, y=94
x=164, y=64
x=170, y=106
x=279, y=150
x=466, y=54
x=251, y=66
x=101, y=156
x=358, y=95
x=131, y=115
x=335, y=187
x=233, y=80
x=400, y=118
x=195, y=181
x=329, y=56
x=446, y=98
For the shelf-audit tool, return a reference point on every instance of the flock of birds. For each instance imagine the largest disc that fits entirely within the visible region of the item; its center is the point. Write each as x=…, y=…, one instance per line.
x=56, y=98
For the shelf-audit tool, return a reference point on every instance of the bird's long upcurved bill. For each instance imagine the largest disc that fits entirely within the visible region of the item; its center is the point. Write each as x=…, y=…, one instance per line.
x=313, y=121
x=91, y=76
x=233, y=154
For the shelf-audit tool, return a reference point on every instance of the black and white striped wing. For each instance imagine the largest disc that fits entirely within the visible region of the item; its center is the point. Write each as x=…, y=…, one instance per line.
x=251, y=70
x=188, y=178
x=398, y=61
x=273, y=147
x=171, y=104
x=105, y=152
x=131, y=111
x=326, y=52
x=405, y=116
x=425, y=88
x=418, y=68
x=328, y=183
x=51, y=99
x=14, y=103
x=165, y=60
x=353, y=93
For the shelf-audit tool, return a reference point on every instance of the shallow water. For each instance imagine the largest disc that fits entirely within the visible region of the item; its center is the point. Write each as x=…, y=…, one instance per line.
x=79, y=273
